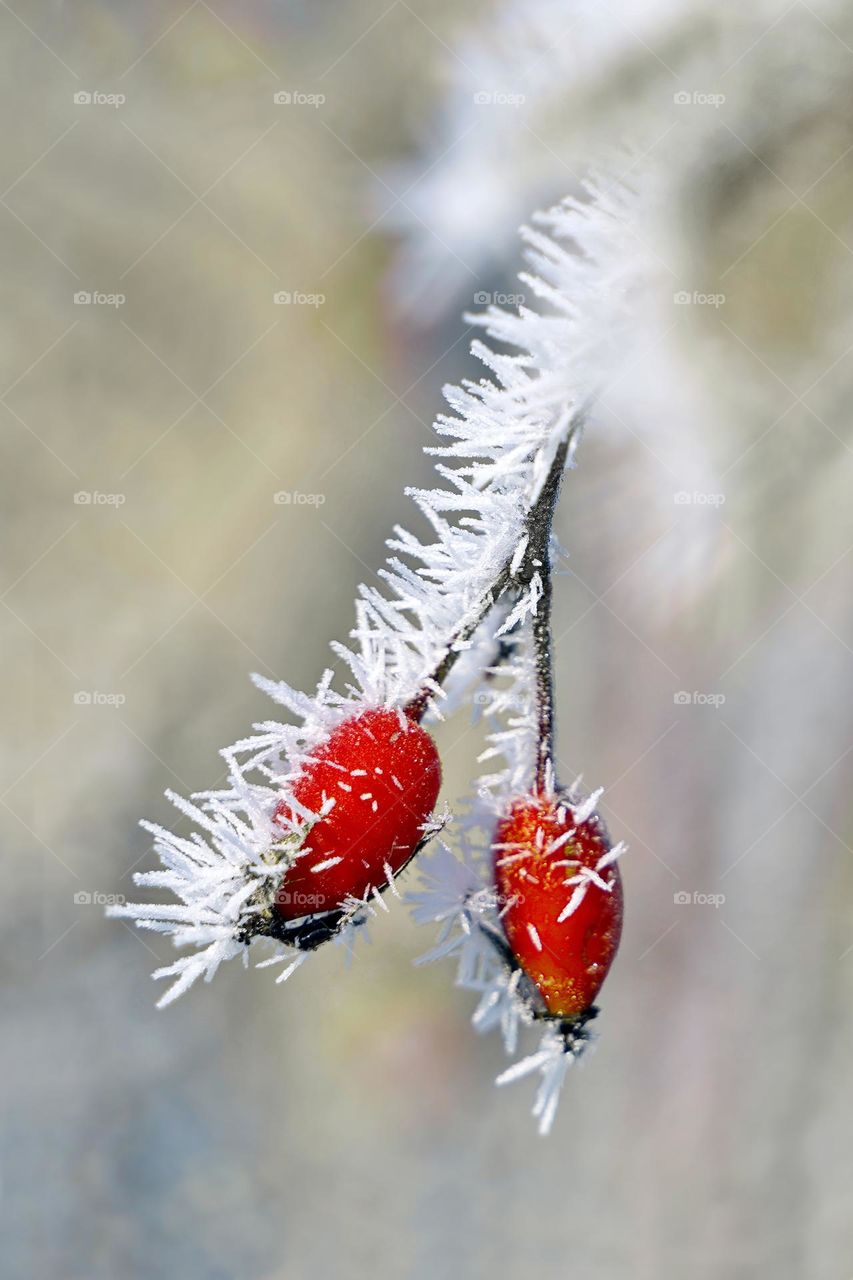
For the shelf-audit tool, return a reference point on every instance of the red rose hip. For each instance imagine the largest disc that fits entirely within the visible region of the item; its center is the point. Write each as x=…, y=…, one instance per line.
x=374, y=781
x=562, y=892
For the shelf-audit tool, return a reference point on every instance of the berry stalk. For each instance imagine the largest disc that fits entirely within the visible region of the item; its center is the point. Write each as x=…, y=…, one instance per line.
x=539, y=560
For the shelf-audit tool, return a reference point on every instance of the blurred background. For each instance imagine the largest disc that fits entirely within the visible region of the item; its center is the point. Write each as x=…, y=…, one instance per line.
x=213, y=295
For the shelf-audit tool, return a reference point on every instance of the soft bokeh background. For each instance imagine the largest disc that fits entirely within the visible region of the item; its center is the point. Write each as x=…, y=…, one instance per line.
x=346, y=1123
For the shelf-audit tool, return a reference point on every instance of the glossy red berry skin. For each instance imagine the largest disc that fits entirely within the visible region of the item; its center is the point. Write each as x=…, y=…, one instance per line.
x=567, y=959
x=383, y=772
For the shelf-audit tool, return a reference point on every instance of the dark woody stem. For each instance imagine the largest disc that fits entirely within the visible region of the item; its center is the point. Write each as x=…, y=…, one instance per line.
x=536, y=561
x=540, y=562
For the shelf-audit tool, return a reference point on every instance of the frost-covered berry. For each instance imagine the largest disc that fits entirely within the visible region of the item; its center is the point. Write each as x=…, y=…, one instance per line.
x=560, y=885
x=374, y=782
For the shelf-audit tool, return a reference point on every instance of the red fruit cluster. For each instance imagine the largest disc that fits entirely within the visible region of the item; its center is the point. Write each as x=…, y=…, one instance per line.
x=562, y=898
x=375, y=780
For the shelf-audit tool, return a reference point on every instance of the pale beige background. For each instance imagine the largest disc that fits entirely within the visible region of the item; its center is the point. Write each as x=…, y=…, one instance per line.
x=347, y=1124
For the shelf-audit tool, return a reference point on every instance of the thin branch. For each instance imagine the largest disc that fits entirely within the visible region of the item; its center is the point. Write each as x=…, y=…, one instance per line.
x=539, y=552
x=536, y=560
